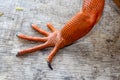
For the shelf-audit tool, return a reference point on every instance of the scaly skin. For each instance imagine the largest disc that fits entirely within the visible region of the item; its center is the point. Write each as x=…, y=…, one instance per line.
x=77, y=27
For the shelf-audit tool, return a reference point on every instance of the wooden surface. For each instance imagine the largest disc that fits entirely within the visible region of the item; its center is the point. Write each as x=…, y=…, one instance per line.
x=94, y=57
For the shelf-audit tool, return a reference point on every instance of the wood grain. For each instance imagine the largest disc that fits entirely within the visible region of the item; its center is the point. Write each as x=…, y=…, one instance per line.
x=94, y=57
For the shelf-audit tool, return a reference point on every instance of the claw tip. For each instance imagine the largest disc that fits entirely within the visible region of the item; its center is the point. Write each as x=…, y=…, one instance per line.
x=32, y=24
x=18, y=54
x=49, y=65
x=17, y=34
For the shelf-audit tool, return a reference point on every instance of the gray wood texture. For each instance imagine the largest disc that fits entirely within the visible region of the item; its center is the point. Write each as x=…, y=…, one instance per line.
x=94, y=57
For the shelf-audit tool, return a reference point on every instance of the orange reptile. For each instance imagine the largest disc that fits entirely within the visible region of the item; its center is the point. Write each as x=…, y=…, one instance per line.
x=77, y=27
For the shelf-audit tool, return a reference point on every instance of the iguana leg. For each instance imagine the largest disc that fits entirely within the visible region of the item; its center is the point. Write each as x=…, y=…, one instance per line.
x=50, y=39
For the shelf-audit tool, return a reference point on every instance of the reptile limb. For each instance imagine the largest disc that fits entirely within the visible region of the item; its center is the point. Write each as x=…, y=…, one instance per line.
x=77, y=27
x=50, y=39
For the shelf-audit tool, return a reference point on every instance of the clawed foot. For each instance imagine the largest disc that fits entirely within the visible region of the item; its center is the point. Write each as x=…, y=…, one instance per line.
x=50, y=39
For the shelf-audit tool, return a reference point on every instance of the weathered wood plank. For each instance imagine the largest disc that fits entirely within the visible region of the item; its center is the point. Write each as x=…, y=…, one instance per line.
x=94, y=57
